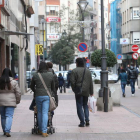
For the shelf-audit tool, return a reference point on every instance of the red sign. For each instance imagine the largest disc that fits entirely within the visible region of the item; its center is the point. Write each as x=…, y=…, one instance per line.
x=135, y=48
x=135, y=55
x=82, y=47
x=87, y=61
x=53, y=19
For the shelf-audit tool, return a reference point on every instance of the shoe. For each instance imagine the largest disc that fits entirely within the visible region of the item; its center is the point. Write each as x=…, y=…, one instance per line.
x=45, y=135
x=4, y=133
x=7, y=134
x=133, y=95
x=123, y=95
x=87, y=123
x=81, y=125
x=39, y=132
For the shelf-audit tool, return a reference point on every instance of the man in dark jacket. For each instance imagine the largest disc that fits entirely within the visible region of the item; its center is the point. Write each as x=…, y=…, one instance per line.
x=87, y=89
x=68, y=78
x=132, y=76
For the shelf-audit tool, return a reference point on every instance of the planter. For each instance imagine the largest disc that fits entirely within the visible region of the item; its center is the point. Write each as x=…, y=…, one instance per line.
x=139, y=81
x=115, y=89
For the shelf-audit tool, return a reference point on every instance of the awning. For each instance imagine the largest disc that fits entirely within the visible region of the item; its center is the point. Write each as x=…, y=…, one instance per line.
x=15, y=33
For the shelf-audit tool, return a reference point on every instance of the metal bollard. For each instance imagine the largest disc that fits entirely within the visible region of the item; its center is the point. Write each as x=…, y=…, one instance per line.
x=106, y=98
x=64, y=86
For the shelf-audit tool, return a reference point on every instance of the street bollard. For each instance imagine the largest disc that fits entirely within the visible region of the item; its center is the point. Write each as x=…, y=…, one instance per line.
x=106, y=98
x=64, y=86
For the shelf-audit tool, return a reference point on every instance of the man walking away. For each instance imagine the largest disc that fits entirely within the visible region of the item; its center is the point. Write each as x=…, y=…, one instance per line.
x=132, y=76
x=127, y=68
x=123, y=77
x=68, y=78
x=87, y=89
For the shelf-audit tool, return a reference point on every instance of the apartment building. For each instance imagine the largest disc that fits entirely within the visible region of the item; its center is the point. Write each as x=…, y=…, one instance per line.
x=15, y=41
x=130, y=27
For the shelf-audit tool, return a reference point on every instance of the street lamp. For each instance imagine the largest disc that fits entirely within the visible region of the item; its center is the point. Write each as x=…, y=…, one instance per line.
x=104, y=72
x=42, y=21
x=82, y=5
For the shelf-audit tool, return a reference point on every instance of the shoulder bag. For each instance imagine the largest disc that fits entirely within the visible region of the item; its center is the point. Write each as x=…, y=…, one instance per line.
x=78, y=90
x=52, y=99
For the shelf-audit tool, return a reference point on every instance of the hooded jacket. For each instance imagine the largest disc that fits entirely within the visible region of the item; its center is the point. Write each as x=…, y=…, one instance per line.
x=10, y=97
x=132, y=73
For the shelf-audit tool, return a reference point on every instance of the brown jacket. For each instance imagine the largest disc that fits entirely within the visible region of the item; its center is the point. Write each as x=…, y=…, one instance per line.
x=10, y=97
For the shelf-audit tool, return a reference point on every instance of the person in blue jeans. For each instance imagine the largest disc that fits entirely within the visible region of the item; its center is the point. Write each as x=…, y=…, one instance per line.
x=41, y=96
x=123, y=77
x=10, y=96
x=87, y=90
x=132, y=76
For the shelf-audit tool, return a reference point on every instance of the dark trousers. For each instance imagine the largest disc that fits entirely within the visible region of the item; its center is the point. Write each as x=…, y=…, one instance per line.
x=132, y=84
x=123, y=84
x=82, y=109
x=60, y=88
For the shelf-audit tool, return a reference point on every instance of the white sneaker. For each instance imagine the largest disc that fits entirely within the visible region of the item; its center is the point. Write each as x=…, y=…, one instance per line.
x=133, y=95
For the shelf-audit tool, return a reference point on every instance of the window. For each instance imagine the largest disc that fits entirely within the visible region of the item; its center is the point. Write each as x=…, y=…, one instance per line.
x=0, y=2
x=52, y=10
x=136, y=13
x=136, y=37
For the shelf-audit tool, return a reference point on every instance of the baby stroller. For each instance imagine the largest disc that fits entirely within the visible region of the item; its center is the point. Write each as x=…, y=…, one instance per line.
x=50, y=129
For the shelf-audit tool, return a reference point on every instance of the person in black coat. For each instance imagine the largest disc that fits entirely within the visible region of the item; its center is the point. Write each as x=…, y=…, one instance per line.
x=132, y=76
x=61, y=82
x=68, y=78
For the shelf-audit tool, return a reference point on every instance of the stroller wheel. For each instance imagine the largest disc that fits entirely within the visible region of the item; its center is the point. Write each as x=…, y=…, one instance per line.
x=53, y=130
x=32, y=131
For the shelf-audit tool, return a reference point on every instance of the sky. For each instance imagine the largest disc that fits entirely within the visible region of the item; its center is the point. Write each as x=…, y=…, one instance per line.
x=90, y=2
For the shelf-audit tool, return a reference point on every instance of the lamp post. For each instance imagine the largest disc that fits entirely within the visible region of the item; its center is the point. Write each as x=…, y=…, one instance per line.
x=82, y=5
x=42, y=21
x=104, y=72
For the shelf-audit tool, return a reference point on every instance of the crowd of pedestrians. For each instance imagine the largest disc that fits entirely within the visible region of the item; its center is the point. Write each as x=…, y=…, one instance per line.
x=128, y=76
x=79, y=79
x=10, y=94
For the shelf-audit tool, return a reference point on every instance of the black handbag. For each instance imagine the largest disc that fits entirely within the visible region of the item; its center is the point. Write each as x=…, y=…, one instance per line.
x=78, y=90
x=32, y=105
x=128, y=82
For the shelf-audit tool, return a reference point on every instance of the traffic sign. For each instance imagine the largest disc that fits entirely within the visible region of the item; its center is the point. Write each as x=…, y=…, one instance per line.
x=139, y=51
x=82, y=47
x=135, y=48
x=39, y=49
x=119, y=56
x=87, y=65
x=135, y=55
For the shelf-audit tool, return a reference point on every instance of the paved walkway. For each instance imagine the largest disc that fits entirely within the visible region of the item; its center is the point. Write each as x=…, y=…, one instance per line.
x=120, y=124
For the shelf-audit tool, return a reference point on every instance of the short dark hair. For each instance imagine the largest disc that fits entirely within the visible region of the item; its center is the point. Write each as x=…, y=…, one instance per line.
x=50, y=64
x=122, y=70
x=42, y=67
x=80, y=62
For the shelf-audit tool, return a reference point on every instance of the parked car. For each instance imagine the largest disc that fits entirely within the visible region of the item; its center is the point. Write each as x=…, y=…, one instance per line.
x=97, y=73
x=29, y=75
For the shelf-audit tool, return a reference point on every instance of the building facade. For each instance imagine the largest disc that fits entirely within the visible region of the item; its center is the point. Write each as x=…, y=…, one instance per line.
x=15, y=41
x=130, y=27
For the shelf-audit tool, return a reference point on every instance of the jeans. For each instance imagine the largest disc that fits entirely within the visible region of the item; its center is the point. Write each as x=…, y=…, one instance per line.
x=132, y=84
x=42, y=103
x=123, y=84
x=7, y=117
x=82, y=109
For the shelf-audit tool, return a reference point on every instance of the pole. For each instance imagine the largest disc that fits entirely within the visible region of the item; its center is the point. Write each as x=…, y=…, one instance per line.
x=46, y=25
x=83, y=32
x=43, y=40
x=104, y=73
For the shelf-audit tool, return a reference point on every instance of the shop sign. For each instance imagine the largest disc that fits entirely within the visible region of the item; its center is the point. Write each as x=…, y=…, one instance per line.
x=53, y=36
x=124, y=41
x=53, y=19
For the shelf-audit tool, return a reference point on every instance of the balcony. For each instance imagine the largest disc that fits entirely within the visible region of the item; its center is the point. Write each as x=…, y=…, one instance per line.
x=4, y=5
x=29, y=10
